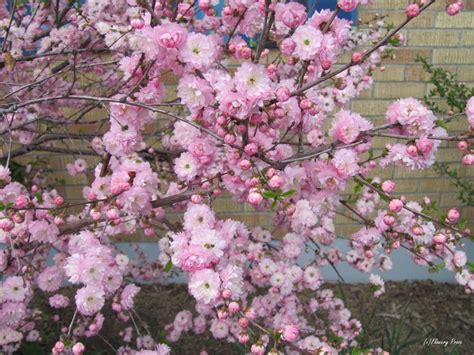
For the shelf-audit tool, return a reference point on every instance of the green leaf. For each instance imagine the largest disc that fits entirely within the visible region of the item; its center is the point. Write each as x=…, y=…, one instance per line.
x=441, y=123
x=288, y=193
x=253, y=43
x=2, y=207
x=39, y=197
x=168, y=266
x=270, y=194
x=470, y=266
x=274, y=203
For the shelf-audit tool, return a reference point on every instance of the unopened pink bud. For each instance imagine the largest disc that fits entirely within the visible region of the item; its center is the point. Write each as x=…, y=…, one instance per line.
x=243, y=338
x=243, y=322
x=245, y=164
x=413, y=10
x=251, y=149
x=326, y=64
x=255, y=198
x=78, y=348
x=275, y=182
x=196, y=199
x=305, y=104
x=388, y=186
x=221, y=314
x=468, y=159
x=283, y=94
x=395, y=205
x=462, y=145
x=234, y=307
x=412, y=150
x=113, y=213
x=95, y=215
x=453, y=215
x=357, y=57
x=389, y=220
x=21, y=201
x=226, y=294
x=91, y=196
x=58, y=200
x=229, y=139
x=137, y=23
x=439, y=238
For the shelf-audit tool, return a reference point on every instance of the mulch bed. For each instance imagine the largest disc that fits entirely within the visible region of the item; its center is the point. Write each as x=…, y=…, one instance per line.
x=405, y=320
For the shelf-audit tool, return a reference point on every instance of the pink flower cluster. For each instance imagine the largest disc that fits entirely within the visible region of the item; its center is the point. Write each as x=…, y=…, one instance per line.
x=268, y=128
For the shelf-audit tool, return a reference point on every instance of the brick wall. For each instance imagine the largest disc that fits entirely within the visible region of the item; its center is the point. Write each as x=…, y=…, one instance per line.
x=446, y=41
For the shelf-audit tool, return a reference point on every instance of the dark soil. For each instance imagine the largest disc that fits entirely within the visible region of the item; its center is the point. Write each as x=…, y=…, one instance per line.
x=399, y=321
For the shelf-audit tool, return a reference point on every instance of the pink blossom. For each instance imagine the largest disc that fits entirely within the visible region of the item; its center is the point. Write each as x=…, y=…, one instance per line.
x=454, y=8
x=291, y=333
x=128, y=295
x=288, y=46
x=199, y=217
x=50, y=279
x=4, y=174
x=195, y=92
x=199, y=51
x=44, y=232
x=291, y=14
x=307, y=41
x=470, y=111
x=252, y=79
x=186, y=166
x=58, y=301
x=89, y=300
x=347, y=126
x=171, y=35
x=219, y=329
x=377, y=285
x=204, y=285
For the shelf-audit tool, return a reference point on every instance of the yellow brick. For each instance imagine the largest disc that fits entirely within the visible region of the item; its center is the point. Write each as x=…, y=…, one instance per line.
x=370, y=107
x=436, y=185
x=406, y=185
x=367, y=94
x=227, y=205
x=397, y=17
x=467, y=38
x=453, y=56
x=463, y=20
x=389, y=4
x=347, y=230
x=449, y=155
x=414, y=174
x=435, y=38
x=384, y=174
x=391, y=73
x=450, y=200
x=416, y=73
x=466, y=73
x=408, y=55
x=396, y=91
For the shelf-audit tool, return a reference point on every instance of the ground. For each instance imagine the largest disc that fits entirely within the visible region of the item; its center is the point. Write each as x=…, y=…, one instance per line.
x=405, y=320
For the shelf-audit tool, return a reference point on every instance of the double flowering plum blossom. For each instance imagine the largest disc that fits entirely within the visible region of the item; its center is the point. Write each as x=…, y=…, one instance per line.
x=270, y=128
